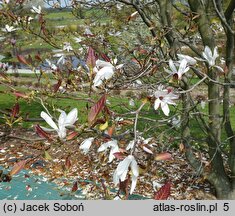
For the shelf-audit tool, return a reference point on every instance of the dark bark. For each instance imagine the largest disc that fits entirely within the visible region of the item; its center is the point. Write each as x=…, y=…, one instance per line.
x=218, y=176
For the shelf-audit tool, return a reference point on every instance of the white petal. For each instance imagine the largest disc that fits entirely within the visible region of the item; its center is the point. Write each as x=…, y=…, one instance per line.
x=215, y=54
x=112, y=151
x=165, y=108
x=130, y=145
x=189, y=59
x=123, y=165
x=86, y=144
x=62, y=132
x=49, y=120
x=133, y=184
x=219, y=68
x=112, y=143
x=101, y=64
x=47, y=129
x=108, y=72
x=62, y=119
x=134, y=167
x=103, y=147
x=147, y=150
x=119, y=66
x=182, y=67
x=97, y=80
x=115, y=178
x=157, y=103
x=72, y=117
x=208, y=52
x=172, y=66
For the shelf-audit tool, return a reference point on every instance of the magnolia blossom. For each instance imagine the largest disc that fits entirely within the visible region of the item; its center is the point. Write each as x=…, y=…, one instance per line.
x=61, y=57
x=5, y=2
x=67, y=46
x=8, y=28
x=122, y=170
x=63, y=122
x=51, y=65
x=113, y=148
x=131, y=102
x=177, y=74
x=88, y=32
x=113, y=33
x=163, y=98
x=77, y=39
x=210, y=57
x=104, y=71
x=86, y=144
x=130, y=145
x=37, y=10
x=190, y=60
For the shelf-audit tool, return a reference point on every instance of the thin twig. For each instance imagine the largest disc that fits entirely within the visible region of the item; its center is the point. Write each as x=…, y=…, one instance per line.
x=135, y=127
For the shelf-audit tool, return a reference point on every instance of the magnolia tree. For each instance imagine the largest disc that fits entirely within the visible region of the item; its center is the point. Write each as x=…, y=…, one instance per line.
x=179, y=47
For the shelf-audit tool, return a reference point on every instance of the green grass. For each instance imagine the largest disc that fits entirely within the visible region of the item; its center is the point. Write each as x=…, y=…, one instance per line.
x=118, y=104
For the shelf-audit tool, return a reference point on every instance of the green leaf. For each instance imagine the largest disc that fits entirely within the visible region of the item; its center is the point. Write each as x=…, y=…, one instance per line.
x=47, y=156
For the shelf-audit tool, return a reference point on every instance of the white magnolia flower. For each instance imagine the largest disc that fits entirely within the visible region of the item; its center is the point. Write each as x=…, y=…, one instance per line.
x=4, y=2
x=87, y=31
x=177, y=74
x=61, y=57
x=37, y=10
x=67, y=46
x=51, y=65
x=86, y=144
x=163, y=98
x=122, y=170
x=130, y=145
x=210, y=57
x=104, y=71
x=63, y=122
x=175, y=121
x=190, y=60
x=113, y=148
x=113, y=33
x=8, y=28
x=131, y=102
x=77, y=39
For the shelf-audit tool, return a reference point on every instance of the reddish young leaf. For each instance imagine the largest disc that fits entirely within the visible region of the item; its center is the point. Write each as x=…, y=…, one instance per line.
x=67, y=163
x=22, y=59
x=15, y=110
x=96, y=109
x=19, y=94
x=42, y=133
x=164, y=192
x=91, y=59
x=57, y=85
x=75, y=187
x=72, y=135
x=111, y=130
x=119, y=155
x=38, y=57
x=17, y=167
x=105, y=57
x=163, y=156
